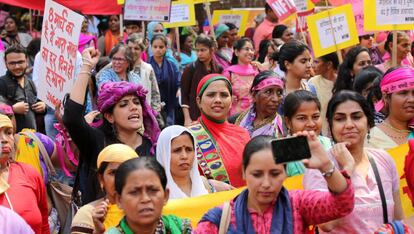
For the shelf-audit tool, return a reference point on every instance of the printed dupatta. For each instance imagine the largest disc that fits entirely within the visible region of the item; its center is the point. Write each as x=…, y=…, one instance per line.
x=208, y=154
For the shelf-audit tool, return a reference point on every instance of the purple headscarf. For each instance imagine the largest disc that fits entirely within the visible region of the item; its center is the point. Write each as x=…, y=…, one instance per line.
x=111, y=92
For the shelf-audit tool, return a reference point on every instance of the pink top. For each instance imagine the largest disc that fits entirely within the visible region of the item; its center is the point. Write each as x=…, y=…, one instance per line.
x=241, y=78
x=408, y=61
x=263, y=32
x=308, y=208
x=367, y=215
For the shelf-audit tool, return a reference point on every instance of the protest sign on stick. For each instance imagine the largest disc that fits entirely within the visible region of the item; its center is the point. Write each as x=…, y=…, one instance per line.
x=394, y=49
x=332, y=30
x=382, y=15
x=121, y=25
x=60, y=37
x=208, y=12
x=301, y=23
x=182, y=14
x=282, y=8
x=236, y=17
x=148, y=10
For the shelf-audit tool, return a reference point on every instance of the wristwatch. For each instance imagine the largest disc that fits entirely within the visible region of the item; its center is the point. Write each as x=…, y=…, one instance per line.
x=330, y=172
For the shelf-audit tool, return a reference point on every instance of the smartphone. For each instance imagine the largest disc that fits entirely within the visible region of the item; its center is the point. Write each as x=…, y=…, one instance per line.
x=290, y=149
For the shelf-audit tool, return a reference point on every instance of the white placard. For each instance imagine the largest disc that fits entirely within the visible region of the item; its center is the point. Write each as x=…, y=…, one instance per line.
x=234, y=19
x=339, y=26
x=301, y=5
x=148, y=10
x=394, y=12
x=3, y=68
x=180, y=13
x=60, y=37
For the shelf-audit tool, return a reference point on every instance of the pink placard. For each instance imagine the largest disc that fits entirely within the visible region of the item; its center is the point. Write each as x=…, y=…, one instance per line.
x=358, y=8
x=301, y=23
x=282, y=8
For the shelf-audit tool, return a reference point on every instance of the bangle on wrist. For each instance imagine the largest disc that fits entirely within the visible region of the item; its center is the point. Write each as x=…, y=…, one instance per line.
x=329, y=172
x=85, y=72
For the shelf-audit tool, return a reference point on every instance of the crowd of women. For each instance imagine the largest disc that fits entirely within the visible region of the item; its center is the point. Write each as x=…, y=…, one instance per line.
x=144, y=124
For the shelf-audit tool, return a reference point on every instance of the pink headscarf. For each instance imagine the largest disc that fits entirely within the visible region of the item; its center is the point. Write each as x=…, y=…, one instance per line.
x=399, y=79
x=2, y=47
x=84, y=40
x=111, y=92
x=269, y=81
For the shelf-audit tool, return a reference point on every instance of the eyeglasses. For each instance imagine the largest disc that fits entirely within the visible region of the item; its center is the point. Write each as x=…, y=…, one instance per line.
x=367, y=37
x=13, y=64
x=119, y=60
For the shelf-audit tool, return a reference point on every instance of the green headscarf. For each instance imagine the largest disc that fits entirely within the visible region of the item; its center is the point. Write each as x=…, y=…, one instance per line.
x=220, y=29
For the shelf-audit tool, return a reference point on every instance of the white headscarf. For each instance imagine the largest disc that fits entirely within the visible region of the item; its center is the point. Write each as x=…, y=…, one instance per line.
x=164, y=158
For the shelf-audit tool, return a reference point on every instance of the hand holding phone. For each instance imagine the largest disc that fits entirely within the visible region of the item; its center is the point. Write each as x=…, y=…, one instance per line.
x=290, y=149
x=304, y=146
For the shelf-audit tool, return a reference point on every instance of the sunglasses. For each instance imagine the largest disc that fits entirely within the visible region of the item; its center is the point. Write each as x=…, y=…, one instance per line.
x=367, y=37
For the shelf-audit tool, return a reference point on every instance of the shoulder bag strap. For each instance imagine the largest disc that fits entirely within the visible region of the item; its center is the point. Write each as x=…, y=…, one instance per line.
x=225, y=218
x=380, y=188
x=43, y=151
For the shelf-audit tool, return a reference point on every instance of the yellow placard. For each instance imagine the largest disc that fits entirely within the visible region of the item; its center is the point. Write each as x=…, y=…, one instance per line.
x=183, y=13
x=194, y=208
x=120, y=2
x=391, y=16
x=237, y=17
x=311, y=5
x=398, y=154
x=323, y=26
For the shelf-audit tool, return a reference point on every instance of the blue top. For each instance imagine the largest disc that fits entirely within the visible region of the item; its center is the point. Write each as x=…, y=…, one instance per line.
x=109, y=75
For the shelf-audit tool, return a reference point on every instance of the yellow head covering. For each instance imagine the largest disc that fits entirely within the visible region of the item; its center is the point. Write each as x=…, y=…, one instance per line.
x=5, y=121
x=117, y=153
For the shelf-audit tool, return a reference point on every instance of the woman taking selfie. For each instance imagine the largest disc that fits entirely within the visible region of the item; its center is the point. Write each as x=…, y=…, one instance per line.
x=267, y=207
x=223, y=140
x=350, y=118
x=141, y=187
